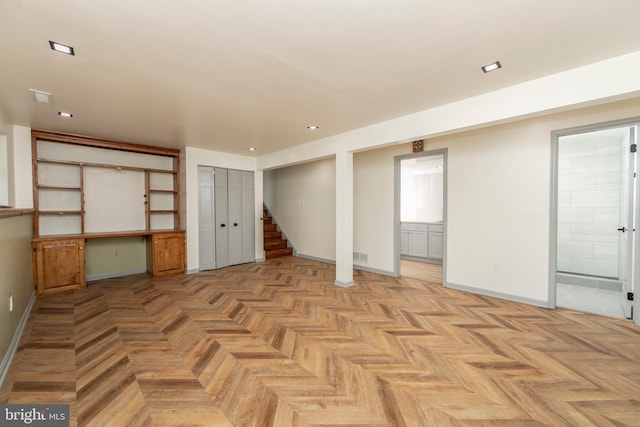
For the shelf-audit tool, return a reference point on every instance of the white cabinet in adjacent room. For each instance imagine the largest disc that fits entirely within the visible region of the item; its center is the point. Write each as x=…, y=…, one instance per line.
x=421, y=240
x=435, y=248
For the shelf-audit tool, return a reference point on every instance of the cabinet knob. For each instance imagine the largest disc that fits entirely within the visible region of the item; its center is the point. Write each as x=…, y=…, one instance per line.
x=235, y=224
x=222, y=225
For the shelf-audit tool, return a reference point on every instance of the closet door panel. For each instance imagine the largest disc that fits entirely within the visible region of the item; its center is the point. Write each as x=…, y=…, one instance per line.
x=206, y=219
x=221, y=218
x=234, y=201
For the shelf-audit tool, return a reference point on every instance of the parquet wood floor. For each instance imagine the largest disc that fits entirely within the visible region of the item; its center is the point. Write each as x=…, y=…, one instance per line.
x=421, y=270
x=277, y=344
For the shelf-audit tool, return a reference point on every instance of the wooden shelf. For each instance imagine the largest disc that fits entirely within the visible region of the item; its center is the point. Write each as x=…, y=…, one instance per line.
x=60, y=212
x=104, y=165
x=101, y=187
x=57, y=187
x=75, y=174
x=142, y=233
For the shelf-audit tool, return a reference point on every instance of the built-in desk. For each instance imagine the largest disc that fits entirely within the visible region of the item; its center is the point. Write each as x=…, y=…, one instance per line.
x=59, y=261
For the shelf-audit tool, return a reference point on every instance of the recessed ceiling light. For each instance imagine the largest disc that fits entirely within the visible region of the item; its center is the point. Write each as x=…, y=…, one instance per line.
x=312, y=127
x=251, y=148
x=491, y=67
x=40, y=96
x=61, y=48
x=64, y=114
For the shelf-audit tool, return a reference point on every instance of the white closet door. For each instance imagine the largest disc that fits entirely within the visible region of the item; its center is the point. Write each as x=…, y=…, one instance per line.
x=234, y=200
x=248, y=218
x=222, y=218
x=206, y=219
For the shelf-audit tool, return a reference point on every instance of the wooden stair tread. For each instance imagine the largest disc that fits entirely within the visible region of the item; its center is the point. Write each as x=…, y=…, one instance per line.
x=270, y=227
x=276, y=253
x=274, y=245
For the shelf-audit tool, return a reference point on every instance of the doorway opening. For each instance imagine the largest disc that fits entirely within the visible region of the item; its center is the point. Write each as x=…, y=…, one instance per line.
x=420, y=215
x=596, y=206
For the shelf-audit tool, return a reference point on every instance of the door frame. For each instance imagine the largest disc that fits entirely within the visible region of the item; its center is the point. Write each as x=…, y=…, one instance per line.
x=634, y=258
x=397, y=205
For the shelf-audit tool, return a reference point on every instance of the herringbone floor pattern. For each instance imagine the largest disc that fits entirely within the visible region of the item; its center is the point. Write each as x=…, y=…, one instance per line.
x=277, y=344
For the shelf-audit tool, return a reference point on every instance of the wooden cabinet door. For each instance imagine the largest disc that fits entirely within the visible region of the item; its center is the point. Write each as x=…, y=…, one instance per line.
x=167, y=253
x=59, y=265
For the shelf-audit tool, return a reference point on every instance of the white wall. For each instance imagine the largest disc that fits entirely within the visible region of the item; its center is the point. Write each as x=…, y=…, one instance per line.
x=191, y=159
x=498, y=202
x=498, y=210
x=373, y=208
x=303, y=203
x=18, y=149
x=4, y=170
x=6, y=179
x=20, y=146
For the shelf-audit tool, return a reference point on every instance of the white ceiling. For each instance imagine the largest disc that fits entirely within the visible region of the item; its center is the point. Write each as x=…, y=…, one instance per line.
x=226, y=75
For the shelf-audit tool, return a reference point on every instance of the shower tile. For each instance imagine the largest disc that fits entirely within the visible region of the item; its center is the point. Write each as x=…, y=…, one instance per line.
x=573, y=248
x=581, y=215
x=599, y=301
x=606, y=216
x=610, y=285
x=609, y=162
x=594, y=198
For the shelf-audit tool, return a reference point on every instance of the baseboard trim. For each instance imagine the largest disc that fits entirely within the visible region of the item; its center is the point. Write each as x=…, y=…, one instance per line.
x=419, y=259
x=344, y=284
x=355, y=266
x=13, y=345
x=315, y=258
x=101, y=276
x=375, y=270
x=494, y=294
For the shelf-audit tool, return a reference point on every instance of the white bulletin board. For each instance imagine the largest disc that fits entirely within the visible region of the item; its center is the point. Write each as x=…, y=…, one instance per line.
x=114, y=200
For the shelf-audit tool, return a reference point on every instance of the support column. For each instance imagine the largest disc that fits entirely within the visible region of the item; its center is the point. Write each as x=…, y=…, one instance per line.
x=344, y=219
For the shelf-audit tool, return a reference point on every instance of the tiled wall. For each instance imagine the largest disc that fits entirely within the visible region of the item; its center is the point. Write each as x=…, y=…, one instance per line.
x=588, y=205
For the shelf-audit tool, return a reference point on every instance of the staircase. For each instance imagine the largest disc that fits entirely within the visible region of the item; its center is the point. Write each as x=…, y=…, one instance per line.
x=274, y=245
